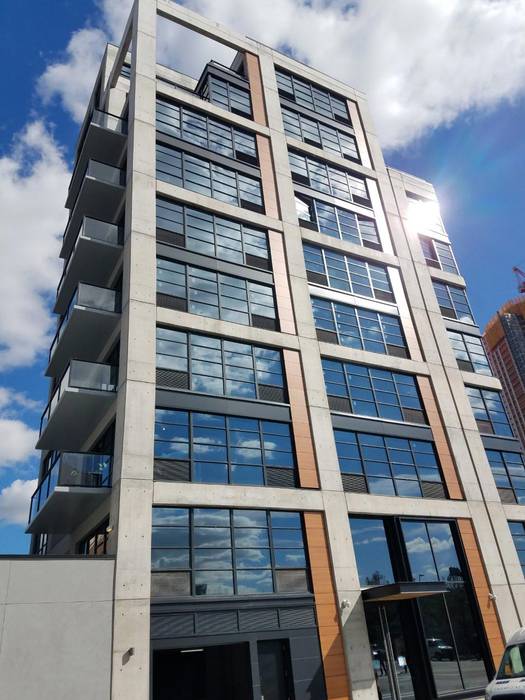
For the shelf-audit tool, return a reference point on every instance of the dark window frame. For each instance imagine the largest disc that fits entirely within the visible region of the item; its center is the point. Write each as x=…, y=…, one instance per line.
x=501, y=465
x=324, y=101
x=454, y=298
x=303, y=128
x=467, y=342
x=438, y=254
x=486, y=423
x=517, y=531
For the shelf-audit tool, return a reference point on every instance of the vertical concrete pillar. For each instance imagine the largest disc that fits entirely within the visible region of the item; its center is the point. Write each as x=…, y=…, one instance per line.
x=133, y=475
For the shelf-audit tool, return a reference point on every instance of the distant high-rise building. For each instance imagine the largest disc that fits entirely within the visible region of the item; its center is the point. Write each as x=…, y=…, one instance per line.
x=504, y=339
x=266, y=457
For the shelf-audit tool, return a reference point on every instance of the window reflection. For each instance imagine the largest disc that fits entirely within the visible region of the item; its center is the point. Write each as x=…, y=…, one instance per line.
x=371, y=551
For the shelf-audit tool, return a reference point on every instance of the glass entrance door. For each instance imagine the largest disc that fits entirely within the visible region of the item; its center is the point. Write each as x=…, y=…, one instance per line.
x=390, y=658
x=275, y=670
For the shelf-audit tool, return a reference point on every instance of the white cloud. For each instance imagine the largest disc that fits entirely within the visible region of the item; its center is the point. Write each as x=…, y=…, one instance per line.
x=13, y=400
x=14, y=501
x=17, y=441
x=422, y=64
x=33, y=184
x=72, y=80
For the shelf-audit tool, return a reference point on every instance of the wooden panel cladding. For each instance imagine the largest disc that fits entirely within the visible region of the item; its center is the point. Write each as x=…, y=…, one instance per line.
x=304, y=448
x=446, y=460
x=253, y=71
x=404, y=315
x=269, y=188
x=281, y=283
x=478, y=575
x=327, y=609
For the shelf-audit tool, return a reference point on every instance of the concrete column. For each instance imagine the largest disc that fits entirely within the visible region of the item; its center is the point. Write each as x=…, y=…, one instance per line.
x=133, y=470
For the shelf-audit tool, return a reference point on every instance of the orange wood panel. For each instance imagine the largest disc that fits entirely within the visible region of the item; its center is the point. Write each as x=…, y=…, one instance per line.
x=446, y=460
x=478, y=575
x=328, y=619
x=304, y=448
x=271, y=206
x=281, y=283
x=256, y=89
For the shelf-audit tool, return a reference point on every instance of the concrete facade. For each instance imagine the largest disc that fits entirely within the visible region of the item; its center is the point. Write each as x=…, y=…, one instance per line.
x=473, y=506
x=56, y=628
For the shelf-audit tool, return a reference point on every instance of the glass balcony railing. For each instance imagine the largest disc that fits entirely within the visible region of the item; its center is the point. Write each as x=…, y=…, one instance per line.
x=94, y=376
x=71, y=469
x=105, y=120
x=91, y=297
x=96, y=230
x=102, y=172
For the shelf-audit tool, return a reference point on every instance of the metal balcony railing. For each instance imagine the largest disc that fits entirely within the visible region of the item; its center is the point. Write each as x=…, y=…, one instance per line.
x=91, y=297
x=93, y=376
x=71, y=469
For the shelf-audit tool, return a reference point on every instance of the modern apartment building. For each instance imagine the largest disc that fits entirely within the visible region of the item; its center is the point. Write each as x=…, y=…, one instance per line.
x=504, y=339
x=268, y=459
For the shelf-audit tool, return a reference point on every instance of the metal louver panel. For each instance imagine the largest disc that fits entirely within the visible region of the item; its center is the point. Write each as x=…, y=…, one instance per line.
x=280, y=478
x=172, y=379
x=338, y=403
x=217, y=622
x=171, y=470
x=269, y=324
x=256, y=261
x=433, y=490
x=354, y=483
x=169, y=302
x=507, y=496
x=396, y=351
x=326, y=336
x=412, y=415
x=258, y=620
x=316, y=278
x=294, y=618
x=171, y=238
x=271, y=393
x=167, y=626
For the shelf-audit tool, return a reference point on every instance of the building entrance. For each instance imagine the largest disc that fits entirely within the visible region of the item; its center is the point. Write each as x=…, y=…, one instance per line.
x=221, y=672
x=393, y=661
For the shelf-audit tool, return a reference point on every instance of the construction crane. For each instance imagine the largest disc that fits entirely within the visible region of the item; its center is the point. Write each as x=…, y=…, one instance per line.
x=520, y=276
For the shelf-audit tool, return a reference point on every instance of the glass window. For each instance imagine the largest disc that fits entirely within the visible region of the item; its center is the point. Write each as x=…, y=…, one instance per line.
x=319, y=134
x=208, y=178
x=438, y=254
x=216, y=295
x=202, y=130
x=359, y=328
x=329, y=179
x=508, y=469
x=489, y=411
x=312, y=97
x=387, y=466
x=453, y=302
x=337, y=222
x=512, y=663
x=229, y=552
x=347, y=274
x=224, y=449
x=224, y=367
x=371, y=551
x=227, y=95
x=95, y=544
x=469, y=352
x=517, y=530
x=372, y=392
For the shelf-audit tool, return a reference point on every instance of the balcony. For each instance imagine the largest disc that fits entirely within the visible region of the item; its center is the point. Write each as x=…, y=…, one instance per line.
x=75, y=484
x=85, y=392
x=96, y=250
x=91, y=316
x=99, y=194
x=103, y=137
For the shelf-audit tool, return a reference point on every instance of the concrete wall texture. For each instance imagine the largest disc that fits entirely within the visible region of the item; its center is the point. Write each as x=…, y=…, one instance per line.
x=55, y=628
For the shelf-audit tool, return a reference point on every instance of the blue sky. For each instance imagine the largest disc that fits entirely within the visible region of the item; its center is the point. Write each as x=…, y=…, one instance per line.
x=469, y=144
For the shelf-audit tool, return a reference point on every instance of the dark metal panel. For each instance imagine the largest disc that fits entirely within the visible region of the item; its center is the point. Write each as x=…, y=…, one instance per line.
x=181, y=255
x=379, y=427
x=500, y=443
x=189, y=401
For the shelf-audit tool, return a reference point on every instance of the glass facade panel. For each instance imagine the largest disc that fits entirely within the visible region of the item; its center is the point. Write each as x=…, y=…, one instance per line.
x=337, y=222
x=223, y=449
x=318, y=134
x=517, y=530
x=202, y=130
x=372, y=392
x=371, y=551
x=508, y=469
x=328, y=179
x=208, y=178
x=438, y=254
x=469, y=352
x=489, y=411
x=395, y=466
x=224, y=367
x=359, y=328
x=347, y=274
x=217, y=295
x=312, y=97
x=227, y=95
x=230, y=552
x=453, y=302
